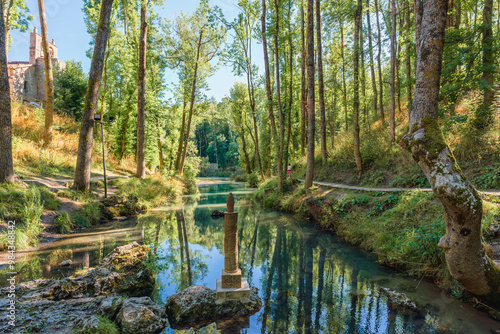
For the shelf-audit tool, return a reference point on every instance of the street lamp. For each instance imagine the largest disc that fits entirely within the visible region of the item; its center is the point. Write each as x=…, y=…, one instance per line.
x=97, y=119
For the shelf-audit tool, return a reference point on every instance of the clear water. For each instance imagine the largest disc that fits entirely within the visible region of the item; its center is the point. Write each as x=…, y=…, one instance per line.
x=309, y=281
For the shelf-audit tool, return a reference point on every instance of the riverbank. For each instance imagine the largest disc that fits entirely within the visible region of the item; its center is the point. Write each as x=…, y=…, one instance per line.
x=401, y=228
x=43, y=215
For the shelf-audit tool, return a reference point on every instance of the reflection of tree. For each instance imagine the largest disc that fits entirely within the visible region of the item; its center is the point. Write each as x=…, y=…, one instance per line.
x=308, y=271
x=186, y=247
x=321, y=272
x=267, y=293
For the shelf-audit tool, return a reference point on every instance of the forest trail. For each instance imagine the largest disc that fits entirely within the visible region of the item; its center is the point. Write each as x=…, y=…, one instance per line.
x=56, y=184
x=344, y=186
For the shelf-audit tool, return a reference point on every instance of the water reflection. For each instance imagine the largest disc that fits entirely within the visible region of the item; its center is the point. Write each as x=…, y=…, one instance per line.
x=309, y=281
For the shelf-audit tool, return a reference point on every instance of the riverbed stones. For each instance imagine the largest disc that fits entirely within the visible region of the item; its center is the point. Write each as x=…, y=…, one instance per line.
x=141, y=315
x=119, y=206
x=400, y=302
x=122, y=271
x=197, y=306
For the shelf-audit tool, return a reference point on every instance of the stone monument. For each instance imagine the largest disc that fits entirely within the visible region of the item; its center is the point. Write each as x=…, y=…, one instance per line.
x=231, y=286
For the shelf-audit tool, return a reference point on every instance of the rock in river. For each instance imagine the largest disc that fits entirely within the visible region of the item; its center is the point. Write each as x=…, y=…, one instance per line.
x=197, y=306
x=141, y=315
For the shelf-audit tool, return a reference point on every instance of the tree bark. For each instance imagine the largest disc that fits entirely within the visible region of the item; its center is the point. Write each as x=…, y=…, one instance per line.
x=418, y=12
x=488, y=63
x=181, y=136
x=6, y=162
x=49, y=78
x=393, y=73
x=381, y=87
x=7, y=25
x=303, y=97
x=191, y=106
x=363, y=74
x=141, y=94
x=160, y=146
x=321, y=87
x=84, y=157
x=280, y=106
x=408, y=59
x=310, y=94
x=344, y=85
x=465, y=255
x=372, y=69
x=357, y=28
x=269, y=91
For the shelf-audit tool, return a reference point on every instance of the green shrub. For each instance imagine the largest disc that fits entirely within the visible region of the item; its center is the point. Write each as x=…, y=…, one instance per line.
x=253, y=180
x=63, y=223
x=89, y=214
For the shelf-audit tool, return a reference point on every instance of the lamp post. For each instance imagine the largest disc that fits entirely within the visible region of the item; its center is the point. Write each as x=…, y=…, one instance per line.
x=97, y=119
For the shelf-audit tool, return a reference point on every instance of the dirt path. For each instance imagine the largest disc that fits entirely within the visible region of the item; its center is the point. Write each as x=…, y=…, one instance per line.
x=56, y=184
x=344, y=186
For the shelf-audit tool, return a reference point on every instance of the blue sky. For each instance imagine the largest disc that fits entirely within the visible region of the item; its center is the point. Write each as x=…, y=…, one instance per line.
x=65, y=24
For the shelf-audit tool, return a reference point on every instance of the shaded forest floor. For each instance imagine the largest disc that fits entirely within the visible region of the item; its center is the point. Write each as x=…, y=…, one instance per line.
x=387, y=165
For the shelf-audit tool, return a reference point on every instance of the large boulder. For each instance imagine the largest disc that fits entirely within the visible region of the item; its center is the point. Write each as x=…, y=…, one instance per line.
x=197, y=306
x=123, y=271
x=141, y=315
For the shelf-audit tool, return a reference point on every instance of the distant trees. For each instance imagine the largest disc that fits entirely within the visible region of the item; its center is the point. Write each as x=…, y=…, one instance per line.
x=84, y=156
x=6, y=163
x=70, y=85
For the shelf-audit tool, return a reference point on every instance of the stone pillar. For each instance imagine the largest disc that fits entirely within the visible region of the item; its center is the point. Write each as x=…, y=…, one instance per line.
x=231, y=286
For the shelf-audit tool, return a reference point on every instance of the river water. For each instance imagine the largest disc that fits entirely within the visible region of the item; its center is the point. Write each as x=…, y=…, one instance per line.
x=309, y=281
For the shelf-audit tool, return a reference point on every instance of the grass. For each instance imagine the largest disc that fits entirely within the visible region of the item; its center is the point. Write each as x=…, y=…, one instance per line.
x=57, y=161
x=63, y=223
x=24, y=206
x=403, y=228
x=153, y=191
x=387, y=165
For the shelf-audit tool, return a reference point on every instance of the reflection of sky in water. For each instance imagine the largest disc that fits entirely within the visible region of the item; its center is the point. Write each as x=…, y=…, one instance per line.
x=312, y=271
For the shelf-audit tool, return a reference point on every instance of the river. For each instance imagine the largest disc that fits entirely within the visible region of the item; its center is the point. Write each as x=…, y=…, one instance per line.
x=309, y=280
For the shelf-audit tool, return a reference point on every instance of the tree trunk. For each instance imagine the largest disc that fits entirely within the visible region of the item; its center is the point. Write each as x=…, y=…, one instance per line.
x=381, y=87
x=160, y=146
x=465, y=255
x=84, y=157
x=141, y=95
x=49, y=78
x=408, y=59
x=303, y=97
x=363, y=73
x=7, y=26
x=181, y=136
x=280, y=107
x=310, y=94
x=419, y=11
x=393, y=73
x=344, y=86
x=6, y=163
x=372, y=69
x=357, y=28
x=269, y=91
x=321, y=87
x=488, y=66
x=290, y=91
x=191, y=106
x=243, y=146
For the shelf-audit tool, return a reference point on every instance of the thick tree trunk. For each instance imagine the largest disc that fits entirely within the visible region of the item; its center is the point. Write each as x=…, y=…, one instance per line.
x=381, y=84
x=418, y=12
x=6, y=163
x=372, y=69
x=393, y=73
x=465, y=255
x=49, y=78
x=141, y=95
x=84, y=157
x=303, y=97
x=191, y=106
x=280, y=106
x=269, y=91
x=321, y=87
x=357, y=28
x=310, y=94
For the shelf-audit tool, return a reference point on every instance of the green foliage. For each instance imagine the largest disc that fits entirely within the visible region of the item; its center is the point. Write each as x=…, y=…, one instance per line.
x=152, y=191
x=89, y=214
x=70, y=86
x=253, y=180
x=63, y=223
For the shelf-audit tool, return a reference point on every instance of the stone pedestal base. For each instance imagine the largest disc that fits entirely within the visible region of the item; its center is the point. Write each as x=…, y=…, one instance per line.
x=232, y=293
x=231, y=280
